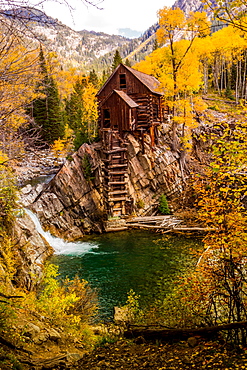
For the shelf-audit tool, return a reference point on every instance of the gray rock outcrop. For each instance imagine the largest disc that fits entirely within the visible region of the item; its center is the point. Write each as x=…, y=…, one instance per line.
x=72, y=204
x=31, y=251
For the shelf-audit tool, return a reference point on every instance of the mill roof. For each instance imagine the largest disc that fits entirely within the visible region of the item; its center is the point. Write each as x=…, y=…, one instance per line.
x=126, y=98
x=149, y=81
x=131, y=103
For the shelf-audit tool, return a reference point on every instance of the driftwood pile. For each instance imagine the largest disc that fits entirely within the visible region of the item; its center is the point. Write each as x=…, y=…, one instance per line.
x=163, y=224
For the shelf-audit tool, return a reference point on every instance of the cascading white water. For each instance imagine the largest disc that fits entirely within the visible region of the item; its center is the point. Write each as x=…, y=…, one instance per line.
x=59, y=245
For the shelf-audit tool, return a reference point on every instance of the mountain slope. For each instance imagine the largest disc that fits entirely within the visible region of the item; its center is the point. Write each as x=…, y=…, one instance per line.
x=83, y=49
x=89, y=50
x=189, y=5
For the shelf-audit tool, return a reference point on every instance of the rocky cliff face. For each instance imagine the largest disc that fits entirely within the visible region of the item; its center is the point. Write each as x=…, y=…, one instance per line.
x=152, y=172
x=29, y=251
x=72, y=204
x=189, y=5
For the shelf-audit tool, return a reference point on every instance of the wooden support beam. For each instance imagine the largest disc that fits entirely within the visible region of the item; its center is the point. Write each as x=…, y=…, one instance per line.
x=117, y=192
x=111, y=151
x=117, y=182
x=118, y=165
x=117, y=199
x=115, y=172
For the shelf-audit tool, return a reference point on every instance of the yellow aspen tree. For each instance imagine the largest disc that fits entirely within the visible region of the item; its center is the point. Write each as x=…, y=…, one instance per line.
x=18, y=74
x=90, y=112
x=178, y=68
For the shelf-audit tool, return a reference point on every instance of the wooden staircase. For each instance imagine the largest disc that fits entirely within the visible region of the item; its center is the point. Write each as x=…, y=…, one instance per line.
x=115, y=189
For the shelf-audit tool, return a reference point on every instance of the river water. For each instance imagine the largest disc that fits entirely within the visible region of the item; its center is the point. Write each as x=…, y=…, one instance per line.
x=115, y=263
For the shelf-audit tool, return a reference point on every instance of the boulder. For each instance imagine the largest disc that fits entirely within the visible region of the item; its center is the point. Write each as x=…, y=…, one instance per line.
x=31, y=250
x=53, y=334
x=30, y=330
x=133, y=146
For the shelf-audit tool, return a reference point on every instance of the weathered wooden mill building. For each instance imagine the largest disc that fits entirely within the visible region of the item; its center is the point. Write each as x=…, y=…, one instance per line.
x=129, y=102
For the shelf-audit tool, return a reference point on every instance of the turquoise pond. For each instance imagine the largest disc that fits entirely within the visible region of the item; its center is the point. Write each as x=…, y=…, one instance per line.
x=115, y=263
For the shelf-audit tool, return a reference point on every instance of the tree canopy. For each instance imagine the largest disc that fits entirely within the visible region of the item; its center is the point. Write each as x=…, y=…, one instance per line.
x=231, y=12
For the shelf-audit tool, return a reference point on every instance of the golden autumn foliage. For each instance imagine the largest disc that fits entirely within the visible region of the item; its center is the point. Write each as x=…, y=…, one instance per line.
x=90, y=110
x=218, y=286
x=18, y=76
x=61, y=147
x=69, y=303
x=177, y=66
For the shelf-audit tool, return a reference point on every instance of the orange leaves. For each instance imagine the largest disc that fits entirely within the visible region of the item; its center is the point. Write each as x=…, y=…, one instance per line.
x=198, y=23
x=221, y=267
x=18, y=75
x=170, y=20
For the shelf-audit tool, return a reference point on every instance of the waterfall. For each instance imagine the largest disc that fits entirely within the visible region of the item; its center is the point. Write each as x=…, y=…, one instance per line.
x=60, y=246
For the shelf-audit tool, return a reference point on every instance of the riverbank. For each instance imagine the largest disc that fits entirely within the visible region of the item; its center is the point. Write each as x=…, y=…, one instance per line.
x=195, y=354
x=37, y=164
x=162, y=224
x=114, y=352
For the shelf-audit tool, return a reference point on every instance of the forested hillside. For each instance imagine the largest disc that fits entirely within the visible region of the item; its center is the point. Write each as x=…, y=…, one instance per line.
x=48, y=105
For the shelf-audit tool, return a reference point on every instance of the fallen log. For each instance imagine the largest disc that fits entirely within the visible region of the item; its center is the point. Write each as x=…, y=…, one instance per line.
x=11, y=345
x=169, y=228
x=112, y=229
x=57, y=362
x=149, y=218
x=180, y=333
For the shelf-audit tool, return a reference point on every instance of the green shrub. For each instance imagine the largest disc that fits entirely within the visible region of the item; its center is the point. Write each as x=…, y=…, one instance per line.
x=67, y=302
x=87, y=167
x=140, y=204
x=163, y=206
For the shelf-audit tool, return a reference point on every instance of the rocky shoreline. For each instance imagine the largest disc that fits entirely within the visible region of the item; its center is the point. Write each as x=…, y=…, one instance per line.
x=37, y=164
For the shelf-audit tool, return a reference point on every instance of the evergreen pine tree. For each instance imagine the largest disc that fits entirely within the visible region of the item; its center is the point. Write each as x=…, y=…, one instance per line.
x=155, y=44
x=93, y=78
x=47, y=108
x=105, y=76
x=116, y=60
x=163, y=206
x=74, y=113
x=127, y=62
x=74, y=106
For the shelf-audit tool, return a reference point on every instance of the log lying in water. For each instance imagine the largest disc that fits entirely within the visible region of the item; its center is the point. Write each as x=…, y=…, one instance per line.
x=149, y=333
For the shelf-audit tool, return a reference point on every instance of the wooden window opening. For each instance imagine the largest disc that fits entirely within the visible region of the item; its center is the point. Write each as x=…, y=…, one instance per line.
x=106, y=118
x=155, y=112
x=122, y=80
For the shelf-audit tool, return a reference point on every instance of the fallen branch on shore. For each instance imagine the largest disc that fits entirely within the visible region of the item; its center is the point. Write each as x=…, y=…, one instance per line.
x=180, y=333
